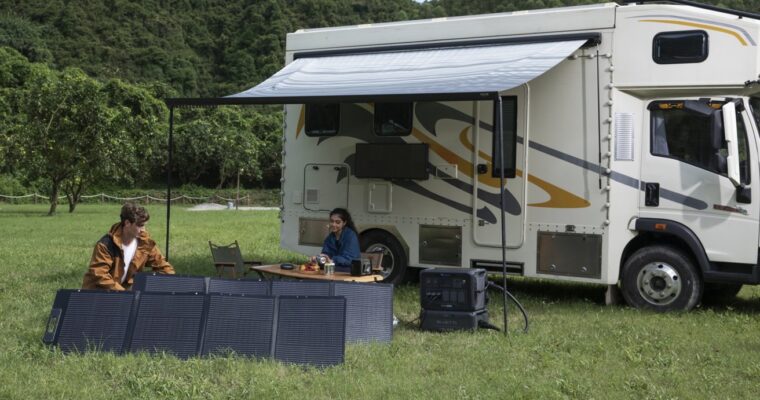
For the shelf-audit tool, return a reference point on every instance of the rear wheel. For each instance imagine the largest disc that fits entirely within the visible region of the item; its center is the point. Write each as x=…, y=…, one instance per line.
x=394, y=257
x=661, y=278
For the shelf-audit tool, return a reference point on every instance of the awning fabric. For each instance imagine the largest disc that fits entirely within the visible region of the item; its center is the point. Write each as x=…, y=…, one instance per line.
x=455, y=72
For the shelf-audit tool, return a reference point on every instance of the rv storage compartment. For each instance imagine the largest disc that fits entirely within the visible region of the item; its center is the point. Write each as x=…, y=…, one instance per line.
x=571, y=254
x=441, y=245
x=312, y=231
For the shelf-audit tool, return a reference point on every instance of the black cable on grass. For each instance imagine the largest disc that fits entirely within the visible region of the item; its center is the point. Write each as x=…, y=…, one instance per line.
x=522, y=310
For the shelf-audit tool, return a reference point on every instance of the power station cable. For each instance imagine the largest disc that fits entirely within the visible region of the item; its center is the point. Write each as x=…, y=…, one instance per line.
x=522, y=310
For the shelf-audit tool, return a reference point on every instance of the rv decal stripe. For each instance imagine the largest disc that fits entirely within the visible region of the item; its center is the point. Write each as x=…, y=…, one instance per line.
x=558, y=197
x=621, y=178
x=443, y=152
x=707, y=22
x=416, y=188
x=698, y=25
x=301, y=120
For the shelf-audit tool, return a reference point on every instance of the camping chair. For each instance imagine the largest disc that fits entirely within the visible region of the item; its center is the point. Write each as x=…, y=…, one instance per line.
x=229, y=257
x=375, y=259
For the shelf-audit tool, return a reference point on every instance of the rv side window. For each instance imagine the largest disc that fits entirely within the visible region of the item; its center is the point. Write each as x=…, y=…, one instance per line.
x=322, y=119
x=509, y=129
x=680, y=47
x=682, y=130
x=393, y=119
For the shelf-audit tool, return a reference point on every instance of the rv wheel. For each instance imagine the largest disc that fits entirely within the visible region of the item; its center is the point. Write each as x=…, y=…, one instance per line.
x=394, y=258
x=661, y=278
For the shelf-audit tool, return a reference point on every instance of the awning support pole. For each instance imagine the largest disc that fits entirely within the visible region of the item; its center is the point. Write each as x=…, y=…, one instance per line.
x=497, y=124
x=169, y=179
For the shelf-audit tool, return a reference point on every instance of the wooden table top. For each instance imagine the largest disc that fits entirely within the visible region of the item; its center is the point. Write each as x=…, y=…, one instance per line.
x=275, y=269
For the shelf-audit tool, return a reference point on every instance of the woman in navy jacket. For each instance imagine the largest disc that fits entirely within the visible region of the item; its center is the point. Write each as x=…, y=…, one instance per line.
x=341, y=245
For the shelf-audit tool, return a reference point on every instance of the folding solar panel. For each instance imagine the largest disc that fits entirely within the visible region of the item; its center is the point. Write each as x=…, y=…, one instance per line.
x=168, y=322
x=152, y=282
x=242, y=286
x=311, y=330
x=83, y=320
x=369, y=311
x=301, y=288
x=240, y=324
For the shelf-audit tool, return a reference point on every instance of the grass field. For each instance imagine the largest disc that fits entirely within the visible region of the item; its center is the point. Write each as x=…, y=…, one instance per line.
x=577, y=348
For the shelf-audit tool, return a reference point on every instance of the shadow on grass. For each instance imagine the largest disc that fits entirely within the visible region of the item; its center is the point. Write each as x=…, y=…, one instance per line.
x=553, y=292
x=546, y=291
x=741, y=304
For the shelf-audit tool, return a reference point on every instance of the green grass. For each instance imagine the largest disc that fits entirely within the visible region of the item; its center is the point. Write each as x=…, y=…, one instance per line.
x=576, y=348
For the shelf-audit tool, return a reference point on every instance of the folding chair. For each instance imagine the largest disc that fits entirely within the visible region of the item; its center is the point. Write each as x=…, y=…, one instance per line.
x=229, y=257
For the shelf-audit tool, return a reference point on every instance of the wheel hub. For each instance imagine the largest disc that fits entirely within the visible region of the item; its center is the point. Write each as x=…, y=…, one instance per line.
x=659, y=283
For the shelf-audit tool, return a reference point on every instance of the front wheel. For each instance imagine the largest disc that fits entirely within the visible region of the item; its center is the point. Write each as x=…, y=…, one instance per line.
x=394, y=258
x=661, y=278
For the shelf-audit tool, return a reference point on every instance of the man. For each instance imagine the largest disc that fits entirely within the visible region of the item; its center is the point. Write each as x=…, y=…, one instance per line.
x=124, y=251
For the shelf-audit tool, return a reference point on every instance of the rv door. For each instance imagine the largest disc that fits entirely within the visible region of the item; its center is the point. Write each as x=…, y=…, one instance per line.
x=486, y=196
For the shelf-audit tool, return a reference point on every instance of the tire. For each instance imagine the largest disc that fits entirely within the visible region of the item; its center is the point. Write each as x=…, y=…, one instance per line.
x=394, y=258
x=661, y=278
x=721, y=291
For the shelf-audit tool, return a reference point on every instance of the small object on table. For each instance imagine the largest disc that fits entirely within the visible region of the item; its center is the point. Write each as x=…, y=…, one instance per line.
x=329, y=268
x=287, y=266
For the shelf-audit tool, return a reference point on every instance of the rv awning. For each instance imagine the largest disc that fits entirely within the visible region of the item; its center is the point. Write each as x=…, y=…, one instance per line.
x=451, y=73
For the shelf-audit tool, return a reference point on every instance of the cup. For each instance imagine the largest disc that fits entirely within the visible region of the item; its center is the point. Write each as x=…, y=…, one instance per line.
x=330, y=268
x=356, y=268
x=366, y=266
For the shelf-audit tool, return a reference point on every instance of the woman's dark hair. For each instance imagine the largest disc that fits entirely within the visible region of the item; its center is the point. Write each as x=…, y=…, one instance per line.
x=343, y=214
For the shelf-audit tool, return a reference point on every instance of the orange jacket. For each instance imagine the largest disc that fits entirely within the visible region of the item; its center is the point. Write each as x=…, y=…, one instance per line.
x=105, y=271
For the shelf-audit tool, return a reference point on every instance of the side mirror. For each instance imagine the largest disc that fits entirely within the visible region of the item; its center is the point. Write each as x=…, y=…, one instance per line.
x=729, y=128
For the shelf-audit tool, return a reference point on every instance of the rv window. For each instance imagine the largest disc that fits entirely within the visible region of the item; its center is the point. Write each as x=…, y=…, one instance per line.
x=509, y=129
x=322, y=119
x=682, y=130
x=680, y=47
x=393, y=119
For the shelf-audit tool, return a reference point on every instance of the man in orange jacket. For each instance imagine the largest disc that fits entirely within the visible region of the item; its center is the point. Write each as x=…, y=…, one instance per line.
x=124, y=251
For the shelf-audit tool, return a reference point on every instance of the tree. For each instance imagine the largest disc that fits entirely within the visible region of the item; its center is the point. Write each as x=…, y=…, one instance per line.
x=78, y=131
x=65, y=121
x=223, y=141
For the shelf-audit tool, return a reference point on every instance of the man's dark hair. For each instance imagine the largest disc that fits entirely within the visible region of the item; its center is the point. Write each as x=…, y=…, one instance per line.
x=134, y=214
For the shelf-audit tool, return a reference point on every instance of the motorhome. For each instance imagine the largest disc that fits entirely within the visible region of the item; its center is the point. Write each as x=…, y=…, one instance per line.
x=629, y=135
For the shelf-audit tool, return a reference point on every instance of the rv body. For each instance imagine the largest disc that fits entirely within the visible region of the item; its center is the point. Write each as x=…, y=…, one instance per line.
x=618, y=162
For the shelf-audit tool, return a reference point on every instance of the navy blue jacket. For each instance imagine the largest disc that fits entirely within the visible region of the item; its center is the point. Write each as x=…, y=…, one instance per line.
x=344, y=250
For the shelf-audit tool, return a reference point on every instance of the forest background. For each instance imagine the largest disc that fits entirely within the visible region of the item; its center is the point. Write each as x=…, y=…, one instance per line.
x=82, y=85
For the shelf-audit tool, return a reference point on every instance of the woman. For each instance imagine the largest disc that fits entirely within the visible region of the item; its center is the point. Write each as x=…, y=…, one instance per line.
x=341, y=245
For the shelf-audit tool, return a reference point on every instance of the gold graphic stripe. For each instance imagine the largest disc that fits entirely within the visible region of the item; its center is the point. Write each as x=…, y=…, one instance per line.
x=558, y=197
x=462, y=164
x=698, y=25
x=301, y=121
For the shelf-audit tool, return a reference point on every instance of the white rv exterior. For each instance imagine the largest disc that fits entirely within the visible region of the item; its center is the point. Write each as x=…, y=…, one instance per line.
x=619, y=174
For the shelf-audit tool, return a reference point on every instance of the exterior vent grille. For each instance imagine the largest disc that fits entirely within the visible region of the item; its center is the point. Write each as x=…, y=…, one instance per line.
x=623, y=137
x=312, y=196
